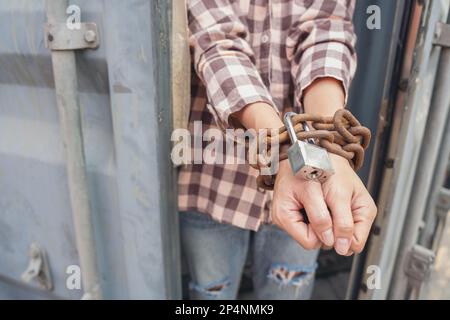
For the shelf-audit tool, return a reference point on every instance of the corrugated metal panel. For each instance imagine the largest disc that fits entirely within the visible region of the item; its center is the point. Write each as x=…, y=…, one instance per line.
x=124, y=95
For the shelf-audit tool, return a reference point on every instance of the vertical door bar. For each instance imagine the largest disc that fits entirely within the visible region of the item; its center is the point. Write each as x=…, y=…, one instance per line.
x=66, y=88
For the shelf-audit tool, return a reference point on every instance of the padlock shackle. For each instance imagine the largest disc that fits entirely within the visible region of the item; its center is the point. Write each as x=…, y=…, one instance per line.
x=289, y=127
x=306, y=129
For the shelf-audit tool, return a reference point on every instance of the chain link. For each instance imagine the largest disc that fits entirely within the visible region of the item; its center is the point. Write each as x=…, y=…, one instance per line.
x=341, y=134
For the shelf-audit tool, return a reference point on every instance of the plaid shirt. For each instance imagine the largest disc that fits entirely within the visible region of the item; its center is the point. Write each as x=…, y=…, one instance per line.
x=246, y=51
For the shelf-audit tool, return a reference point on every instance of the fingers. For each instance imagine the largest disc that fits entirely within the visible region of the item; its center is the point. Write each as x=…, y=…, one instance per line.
x=326, y=248
x=364, y=213
x=340, y=206
x=318, y=215
x=349, y=253
x=293, y=223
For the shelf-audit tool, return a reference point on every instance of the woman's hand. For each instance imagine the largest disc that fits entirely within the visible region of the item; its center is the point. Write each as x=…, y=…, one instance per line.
x=292, y=194
x=340, y=212
x=353, y=211
x=352, y=208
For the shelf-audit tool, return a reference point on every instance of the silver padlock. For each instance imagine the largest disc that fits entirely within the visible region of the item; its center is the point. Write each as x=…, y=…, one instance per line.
x=307, y=160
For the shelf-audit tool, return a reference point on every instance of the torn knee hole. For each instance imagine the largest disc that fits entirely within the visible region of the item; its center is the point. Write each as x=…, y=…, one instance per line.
x=216, y=288
x=283, y=274
x=212, y=289
x=295, y=275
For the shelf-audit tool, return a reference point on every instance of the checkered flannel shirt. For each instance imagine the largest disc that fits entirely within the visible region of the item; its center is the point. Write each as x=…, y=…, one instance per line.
x=246, y=51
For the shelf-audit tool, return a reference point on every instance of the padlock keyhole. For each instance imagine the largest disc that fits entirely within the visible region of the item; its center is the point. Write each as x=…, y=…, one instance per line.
x=314, y=174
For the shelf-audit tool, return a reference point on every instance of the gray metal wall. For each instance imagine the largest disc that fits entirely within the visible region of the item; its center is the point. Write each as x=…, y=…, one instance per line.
x=124, y=95
x=375, y=58
x=125, y=111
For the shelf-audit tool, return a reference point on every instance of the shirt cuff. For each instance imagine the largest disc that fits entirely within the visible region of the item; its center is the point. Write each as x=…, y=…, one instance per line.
x=233, y=83
x=328, y=59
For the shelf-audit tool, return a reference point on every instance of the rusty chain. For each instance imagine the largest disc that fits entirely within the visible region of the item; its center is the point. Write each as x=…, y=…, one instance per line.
x=341, y=134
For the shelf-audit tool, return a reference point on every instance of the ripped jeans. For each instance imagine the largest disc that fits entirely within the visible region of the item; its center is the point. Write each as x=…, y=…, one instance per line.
x=216, y=254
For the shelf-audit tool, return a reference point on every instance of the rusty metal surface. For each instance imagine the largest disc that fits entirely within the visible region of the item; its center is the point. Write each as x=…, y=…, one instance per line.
x=341, y=134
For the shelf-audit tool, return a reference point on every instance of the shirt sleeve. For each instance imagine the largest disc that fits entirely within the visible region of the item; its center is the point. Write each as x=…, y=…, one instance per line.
x=321, y=43
x=223, y=59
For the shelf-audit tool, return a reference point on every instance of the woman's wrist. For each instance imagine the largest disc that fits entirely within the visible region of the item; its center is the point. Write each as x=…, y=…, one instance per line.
x=324, y=97
x=339, y=161
x=258, y=115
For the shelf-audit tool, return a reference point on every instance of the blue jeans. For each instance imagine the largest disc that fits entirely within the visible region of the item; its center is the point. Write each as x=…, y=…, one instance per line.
x=216, y=254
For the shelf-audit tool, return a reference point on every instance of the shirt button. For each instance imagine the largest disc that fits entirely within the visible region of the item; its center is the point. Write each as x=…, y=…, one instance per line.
x=265, y=38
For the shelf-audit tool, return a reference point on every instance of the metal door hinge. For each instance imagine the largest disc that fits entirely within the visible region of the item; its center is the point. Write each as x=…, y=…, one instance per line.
x=442, y=35
x=418, y=264
x=443, y=203
x=59, y=37
x=38, y=268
